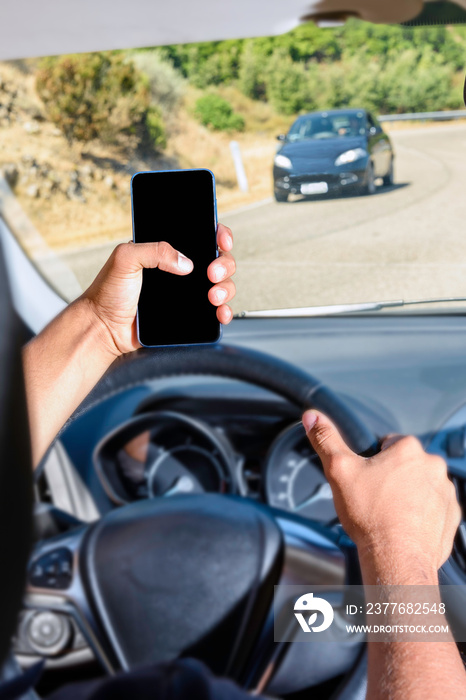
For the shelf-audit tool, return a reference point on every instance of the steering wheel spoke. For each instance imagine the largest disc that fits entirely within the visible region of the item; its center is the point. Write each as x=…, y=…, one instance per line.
x=57, y=618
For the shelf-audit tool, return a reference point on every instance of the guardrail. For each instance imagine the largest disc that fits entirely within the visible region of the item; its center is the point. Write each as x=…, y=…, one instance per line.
x=424, y=116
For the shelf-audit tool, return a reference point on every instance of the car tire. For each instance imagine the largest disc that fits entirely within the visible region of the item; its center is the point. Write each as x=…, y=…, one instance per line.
x=389, y=179
x=281, y=196
x=369, y=187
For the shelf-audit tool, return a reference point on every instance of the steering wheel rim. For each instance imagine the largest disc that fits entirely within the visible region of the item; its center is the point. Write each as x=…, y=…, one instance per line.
x=243, y=364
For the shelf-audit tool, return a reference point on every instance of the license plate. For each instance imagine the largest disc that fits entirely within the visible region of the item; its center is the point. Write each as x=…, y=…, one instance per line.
x=314, y=188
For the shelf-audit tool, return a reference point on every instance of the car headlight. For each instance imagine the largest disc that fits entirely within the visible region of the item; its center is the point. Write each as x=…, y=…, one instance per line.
x=350, y=156
x=283, y=162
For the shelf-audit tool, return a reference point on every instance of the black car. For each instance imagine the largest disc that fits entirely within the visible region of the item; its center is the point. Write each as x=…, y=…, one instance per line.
x=330, y=152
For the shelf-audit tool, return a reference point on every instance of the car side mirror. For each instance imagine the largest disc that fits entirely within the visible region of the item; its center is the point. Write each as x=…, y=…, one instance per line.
x=281, y=137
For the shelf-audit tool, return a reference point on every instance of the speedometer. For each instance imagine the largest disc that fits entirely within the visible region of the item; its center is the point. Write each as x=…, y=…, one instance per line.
x=294, y=479
x=163, y=454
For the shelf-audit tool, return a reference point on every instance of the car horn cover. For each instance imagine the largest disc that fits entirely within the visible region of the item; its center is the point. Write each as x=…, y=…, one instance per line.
x=195, y=577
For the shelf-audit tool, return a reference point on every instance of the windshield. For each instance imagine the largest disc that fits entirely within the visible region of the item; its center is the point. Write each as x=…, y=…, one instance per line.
x=328, y=126
x=339, y=157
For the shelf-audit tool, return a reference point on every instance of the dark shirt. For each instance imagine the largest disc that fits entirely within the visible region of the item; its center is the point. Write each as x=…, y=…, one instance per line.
x=185, y=679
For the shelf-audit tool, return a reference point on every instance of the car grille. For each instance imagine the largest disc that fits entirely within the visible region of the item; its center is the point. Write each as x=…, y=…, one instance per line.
x=304, y=178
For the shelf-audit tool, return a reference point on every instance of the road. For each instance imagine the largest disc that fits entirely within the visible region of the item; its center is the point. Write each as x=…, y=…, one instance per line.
x=408, y=241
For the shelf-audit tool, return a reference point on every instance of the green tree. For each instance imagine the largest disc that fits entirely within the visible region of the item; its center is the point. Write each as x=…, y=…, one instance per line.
x=252, y=79
x=287, y=86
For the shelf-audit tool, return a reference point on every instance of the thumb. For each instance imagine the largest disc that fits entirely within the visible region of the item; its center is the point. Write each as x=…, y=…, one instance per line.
x=132, y=257
x=324, y=437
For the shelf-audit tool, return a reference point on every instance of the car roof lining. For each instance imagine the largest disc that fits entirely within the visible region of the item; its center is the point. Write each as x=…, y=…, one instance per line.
x=49, y=27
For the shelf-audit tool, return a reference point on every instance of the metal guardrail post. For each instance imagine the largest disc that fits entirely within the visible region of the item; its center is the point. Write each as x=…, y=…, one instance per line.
x=239, y=166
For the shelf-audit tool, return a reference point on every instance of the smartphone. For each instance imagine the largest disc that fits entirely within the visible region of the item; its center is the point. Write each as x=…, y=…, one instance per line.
x=180, y=207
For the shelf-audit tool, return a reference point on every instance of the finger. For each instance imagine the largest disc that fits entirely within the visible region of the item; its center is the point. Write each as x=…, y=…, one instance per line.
x=324, y=437
x=221, y=268
x=390, y=440
x=131, y=257
x=222, y=293
x=224, y=238
x=224, y=314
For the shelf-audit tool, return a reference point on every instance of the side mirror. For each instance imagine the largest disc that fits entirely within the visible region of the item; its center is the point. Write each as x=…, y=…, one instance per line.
x=281, y=137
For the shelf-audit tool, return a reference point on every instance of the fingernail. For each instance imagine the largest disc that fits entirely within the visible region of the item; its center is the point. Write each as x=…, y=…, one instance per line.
x=184, y=263
x=309, y=420
x=219, y=272
x=220, y=295
x=229, y=242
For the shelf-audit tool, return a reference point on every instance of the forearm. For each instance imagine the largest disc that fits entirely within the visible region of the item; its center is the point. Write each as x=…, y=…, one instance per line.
x=401, y=670
x=415, y=671
x=61, y=365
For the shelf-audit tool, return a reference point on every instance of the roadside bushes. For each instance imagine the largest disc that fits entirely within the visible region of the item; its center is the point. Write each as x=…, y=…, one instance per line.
x=287, y=88
x=98, y=95
x=166, y=84
x=155, y=126
x=215, y=112
x=251, y=77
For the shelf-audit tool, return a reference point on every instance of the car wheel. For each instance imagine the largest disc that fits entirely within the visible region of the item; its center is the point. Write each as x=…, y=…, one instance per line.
x=369, y=187
x=281, y=196
x=388, y=180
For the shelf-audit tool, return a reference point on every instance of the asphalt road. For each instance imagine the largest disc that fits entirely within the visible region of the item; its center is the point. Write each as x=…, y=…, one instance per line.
x=407, y=241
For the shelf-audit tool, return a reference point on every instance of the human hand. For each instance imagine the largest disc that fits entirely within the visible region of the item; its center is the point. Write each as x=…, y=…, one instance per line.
x=114, y=294
x=399, y=507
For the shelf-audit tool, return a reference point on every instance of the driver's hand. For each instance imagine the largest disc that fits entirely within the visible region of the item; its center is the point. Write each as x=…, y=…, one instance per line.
x=114, y=294
x=399, y=507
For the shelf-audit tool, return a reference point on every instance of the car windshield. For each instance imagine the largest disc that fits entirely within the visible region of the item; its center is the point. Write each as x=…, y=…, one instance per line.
x=328, y=126
x=339, y=156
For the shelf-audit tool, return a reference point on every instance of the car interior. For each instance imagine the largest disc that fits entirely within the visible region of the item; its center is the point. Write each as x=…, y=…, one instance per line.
x=183, y=489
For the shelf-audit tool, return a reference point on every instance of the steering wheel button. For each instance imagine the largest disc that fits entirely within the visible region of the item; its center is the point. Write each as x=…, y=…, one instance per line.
x=52, y=570
x=48, y=632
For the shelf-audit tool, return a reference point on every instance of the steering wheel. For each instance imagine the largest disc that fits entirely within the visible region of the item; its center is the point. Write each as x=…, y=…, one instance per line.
x=194, y=574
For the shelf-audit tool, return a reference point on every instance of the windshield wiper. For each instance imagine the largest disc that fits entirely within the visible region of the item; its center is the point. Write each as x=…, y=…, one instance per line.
x=336, y=309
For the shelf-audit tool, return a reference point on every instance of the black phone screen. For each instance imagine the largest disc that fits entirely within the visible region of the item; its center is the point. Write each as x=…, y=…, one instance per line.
x=177, y=206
